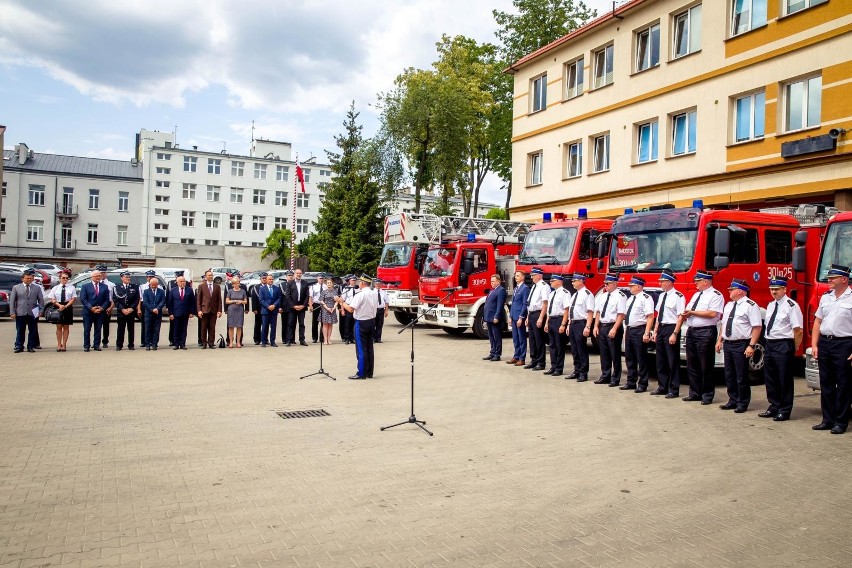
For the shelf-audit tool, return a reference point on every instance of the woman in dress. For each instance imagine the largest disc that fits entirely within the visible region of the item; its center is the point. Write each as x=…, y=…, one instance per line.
x=235, y=300
x=328, y=316
x=62, y=296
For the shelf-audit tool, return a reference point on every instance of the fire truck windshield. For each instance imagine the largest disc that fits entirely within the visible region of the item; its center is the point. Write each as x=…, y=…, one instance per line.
x=549, y=246
x=396, y=255
x=836, y=250
x=439, y=262
x=653, y=251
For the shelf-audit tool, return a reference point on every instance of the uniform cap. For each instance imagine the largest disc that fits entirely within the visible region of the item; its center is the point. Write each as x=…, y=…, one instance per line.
x=702, y=275
x=320, y=275
x=150, y=273
x=667, y=274
x=264, y=274
x=638, y=280
x=178, y=273
x=29, y=272
x=536, y=271
x=351, y=277
x=739, y=284
x=125, y=273
x=289, y=273
x=778, y=282
x=365, y=278
x=611, y=278
x=101, y=268
x=578, y=276
x=557, y=277
x=838, y=270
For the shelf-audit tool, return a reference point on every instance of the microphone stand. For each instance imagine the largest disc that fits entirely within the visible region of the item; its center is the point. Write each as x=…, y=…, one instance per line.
x=413, y=419
x=321, y=370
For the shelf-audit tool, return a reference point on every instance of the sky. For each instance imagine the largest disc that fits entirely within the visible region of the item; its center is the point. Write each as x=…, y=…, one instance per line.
x=82, y=77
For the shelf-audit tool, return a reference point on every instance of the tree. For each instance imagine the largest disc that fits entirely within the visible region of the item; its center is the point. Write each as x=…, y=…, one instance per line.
x=497, y=213
x=278, y=245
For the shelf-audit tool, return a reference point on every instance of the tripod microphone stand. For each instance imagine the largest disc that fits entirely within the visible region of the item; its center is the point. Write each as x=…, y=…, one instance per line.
x=413, y=419
x=321, y=370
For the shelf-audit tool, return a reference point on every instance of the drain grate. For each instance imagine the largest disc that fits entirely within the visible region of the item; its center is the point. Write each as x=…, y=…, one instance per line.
x=303, y=414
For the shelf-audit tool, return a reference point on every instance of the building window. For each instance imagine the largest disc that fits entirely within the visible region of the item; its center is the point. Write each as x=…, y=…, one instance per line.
x=190, y=164
x=793, y=6
x=161, y=226
x=211, y=242
x=36, y=195
x=94, y=198
x=603, y=66
x=235, y=222
x=574, y=79
x=122, y=236
x=258, y=223
x=236, y=195
x=802, y=103
x=747, y=15
x=282, y=173
x=258, y=197
x=161, y=211
x=534, y=165
x=213, y=192
x=750, y=116
x=646, y=142
x=281, y=222
x=187, y=241
x=307, y=173
x=92, y=234
x=322, y=185
x=214, y=166
x=280, y=198
x=211, y=220
x=187, y=218
x=260, y=171
x=303, y=200
x=301, y=226
x=164, y=184
x=35, y=231
x=600, y=162
x=123, y=201
x=648, y=47
x=164, y=171
x=189, y=191
x=687, y=32
x=326, y=173
x=538, y=93
x=237, y=168
x=5, y=184
x=161, y=239
x=683, y=133
x=574, y=160
x=3, y=224
x=161, y=198
x=163, y=156
x=234, y=243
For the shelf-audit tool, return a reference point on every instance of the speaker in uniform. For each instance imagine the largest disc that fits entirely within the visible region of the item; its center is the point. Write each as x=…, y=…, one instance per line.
x=142, y=287
x=610, y=305
x=741, y=327
x=535, y=316
x=347, y=320
x=125, y=299
x=555, y=325
x=363, y=308
x=638, y=321
x=701, y=315
x=581, y=311
x=315, y=306
x=670, y=305
x=784, y=324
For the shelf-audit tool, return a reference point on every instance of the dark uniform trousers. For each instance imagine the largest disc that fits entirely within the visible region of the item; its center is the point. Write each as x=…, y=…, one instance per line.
x=296, y=317
x=363, y=333
x=316, y=328
x=835, y=378
x=152, y=328
x=736, y=372
x=105, y=322
x=537, y=344
x=636, y=357
x=579, y=347
x=347, y=326
x=557, y=344
x=668, y=359
x=126, y=324
x=380, y=324
x=610, y=353
x=142, y=333
x=700, y=360
x=92, y=321
x=778, y=375
x=181, y=323
x=258, y=320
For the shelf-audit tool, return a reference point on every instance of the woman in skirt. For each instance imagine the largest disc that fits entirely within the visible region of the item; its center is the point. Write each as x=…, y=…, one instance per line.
x=328, y=315
x=62, y=296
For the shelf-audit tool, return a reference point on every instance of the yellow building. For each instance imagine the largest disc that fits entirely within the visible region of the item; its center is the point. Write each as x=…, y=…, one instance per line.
x=737, y=102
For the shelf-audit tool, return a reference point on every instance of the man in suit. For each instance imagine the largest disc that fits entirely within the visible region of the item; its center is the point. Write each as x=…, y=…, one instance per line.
x=286, y=307
x=125, y=300
x=181, y=303
x=209, y=301
x=153, y=301
x=270, y=302
x=107, y=315
x=494, y=313
x=255, y=308
x=26, y=303
x=517, y=310
x=95, y=298
x=149, y=274
x=299, y=297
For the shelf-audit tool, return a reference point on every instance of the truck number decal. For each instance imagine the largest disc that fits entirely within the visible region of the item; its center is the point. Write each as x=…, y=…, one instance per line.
x=785, y=271
x=479, y=282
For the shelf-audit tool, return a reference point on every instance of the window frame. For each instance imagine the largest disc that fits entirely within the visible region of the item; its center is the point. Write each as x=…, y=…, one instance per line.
x=258, y=197
x=535, y=168
x=305, y=224
x=608, y=62
x=282, y=173
x=35, y=230
x=808, y=4
x=235, y=221
x=303, y=200
x=238, y=168
x=577, y=66
x=260, y=171
x=258, y=223
x=124, y=196
x=211, y=220
x=214, y=193
x=690, y=48
x=94, y=198
x=35, y=195
x=214, y=166
x=237, y=194
x=187, y=219
x=538, y=93
x=92, y=230
x=752, y=97
x=190, y=164
x=806, y=96
x=605, y=136
x=673, y=118
x=653, y=126
x=119, y=241
x=574, y=158
x=750, y=25
x=188, y=191
x=647, y=31
x=280, y=198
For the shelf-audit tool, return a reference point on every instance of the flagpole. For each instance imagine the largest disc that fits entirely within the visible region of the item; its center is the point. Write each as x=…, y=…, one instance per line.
x=293, y=230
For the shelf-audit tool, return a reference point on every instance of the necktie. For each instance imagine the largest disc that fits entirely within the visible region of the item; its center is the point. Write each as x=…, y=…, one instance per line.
x=550, y=304
x=97, y=290
x=28, y=290
x=181, y=294
x=209, y=287
x=772, y=319
x=573, y=303
x=379, y=298
x=62, y=298
x=606, y=303
x=663, y=306
x=697, y=298
x=729, y=325
x=629, y=309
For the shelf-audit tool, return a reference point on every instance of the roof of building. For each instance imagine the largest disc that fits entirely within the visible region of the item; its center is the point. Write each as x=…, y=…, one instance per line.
x=73, y=166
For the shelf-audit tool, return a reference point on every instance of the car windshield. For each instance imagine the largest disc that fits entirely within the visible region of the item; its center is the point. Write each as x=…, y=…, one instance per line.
x=439, y=262
x=837, y=248
x=653, y=251
x=549, y=246
x=396, y=255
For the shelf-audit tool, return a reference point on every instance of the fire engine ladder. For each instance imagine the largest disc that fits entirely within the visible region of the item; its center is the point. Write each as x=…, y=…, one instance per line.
x=437, y=228
x=805, y=214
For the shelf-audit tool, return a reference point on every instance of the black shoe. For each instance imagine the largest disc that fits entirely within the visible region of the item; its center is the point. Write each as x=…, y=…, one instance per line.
x=487, y=358
x=767, y=414
x=273, y=344
x=728, y=406
x=303, y=343
x=657, y=392
x=640, y=390
x=627, y=387
x=85, y=350
x=200, y=344
x=183, y=347
x=741, y=409
x=118, y=348
x=104, y=344
x=557, y=374
x=31, y=350
x=602, y=381
x=377, y=341
x=175, y=348
x=213, y=346
x=548, y=372
x=538, y=368
x=706, y=402
x=257, y=342
x=154, y=348
x=581, y=379
x=574, y=375
x=691, y=399
x=18, y=349
x=131, y=348
x=263, y=345
x=315, y=340
x=672, y=395
x=838, y=429
x=780, y=418
x=495, y=359
x=530, y=366
x=204, y=346
x=613, y=385
x=146, y=349
x=823, y=426
x=357, y=378
x=97, y=348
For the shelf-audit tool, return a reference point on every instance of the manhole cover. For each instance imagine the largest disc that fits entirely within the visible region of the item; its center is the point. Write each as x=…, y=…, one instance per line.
x=302, y=414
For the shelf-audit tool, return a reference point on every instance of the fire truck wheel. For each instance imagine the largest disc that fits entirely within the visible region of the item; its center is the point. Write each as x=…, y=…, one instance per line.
x=755, y=364
x=480, y=328
x=403, y=317
x=454, y=330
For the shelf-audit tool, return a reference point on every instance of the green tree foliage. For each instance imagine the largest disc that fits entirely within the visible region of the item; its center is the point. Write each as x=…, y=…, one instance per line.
x=278, y=245
x=497, y=213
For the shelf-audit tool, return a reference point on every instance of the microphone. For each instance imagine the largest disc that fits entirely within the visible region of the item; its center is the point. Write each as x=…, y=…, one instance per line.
x=453, y=289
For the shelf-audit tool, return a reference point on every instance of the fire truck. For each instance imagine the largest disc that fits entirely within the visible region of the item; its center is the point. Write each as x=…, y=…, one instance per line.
x=408, y=238
x=751, y=245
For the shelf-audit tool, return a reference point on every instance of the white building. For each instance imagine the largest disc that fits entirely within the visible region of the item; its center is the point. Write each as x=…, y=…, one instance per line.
x=403, y=202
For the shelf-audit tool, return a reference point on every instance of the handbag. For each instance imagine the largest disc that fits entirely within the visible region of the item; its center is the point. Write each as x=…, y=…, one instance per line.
x=52, y=314
x=221, y=343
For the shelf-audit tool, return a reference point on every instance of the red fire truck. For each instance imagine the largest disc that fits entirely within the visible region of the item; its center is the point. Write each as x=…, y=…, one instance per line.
x=751, y=245
x=417, y=242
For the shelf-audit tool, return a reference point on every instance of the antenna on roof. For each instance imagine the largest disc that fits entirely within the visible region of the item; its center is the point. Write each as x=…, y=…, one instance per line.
x=252, y=131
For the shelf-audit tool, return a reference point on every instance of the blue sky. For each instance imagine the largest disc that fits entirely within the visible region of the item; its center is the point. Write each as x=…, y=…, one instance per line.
x=81, y=77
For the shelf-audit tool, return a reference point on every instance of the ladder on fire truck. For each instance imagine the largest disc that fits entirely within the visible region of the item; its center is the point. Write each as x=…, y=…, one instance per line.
x=805, y=214
x=432, y=229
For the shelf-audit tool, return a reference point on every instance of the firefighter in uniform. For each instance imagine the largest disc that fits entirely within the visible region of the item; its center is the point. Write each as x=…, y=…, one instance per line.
x=125, y=298
x=832, y=347
x=315, y=292
x=670, y=304
x=741, y=327
x=554, y=325
x=610, y=306
x=535, y=314
x=701, y=315
x=638, y=320
x=580, y=314
x=347, y=319
x=783, y=336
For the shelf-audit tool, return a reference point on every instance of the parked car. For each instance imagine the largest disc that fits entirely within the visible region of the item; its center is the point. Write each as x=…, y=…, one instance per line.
x=169, y=273
x=224, y=273
x=277, y=275
x=8, y=279
x=18, y=271
x=52, y=269
x=137, y=276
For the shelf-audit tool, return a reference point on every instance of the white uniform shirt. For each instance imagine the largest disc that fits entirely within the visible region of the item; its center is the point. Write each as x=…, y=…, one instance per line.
x=836, y=313
x=539, y=294
x=585, y=303
x=617, y=304
x=789, y=317
x=365, y=304
x=316, y=291
x=639, y=306
x=557, y=302
x=675, y=304
x=56, y=292
x=382, y=297
x=349, y=293
x=710, y=299
x=746, y=316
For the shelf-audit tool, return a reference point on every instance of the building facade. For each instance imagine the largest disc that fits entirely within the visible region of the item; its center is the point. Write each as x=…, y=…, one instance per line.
x=404, y=200
x=736, y=102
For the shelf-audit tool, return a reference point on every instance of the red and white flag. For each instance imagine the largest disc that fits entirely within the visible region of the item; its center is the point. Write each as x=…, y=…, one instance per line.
x=300, y=175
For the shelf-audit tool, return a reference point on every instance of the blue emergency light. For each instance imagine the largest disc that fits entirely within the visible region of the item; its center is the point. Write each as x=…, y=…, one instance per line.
x=628, y=210
x=582, y=213
x=698, y=203
x=471, y=237
x=546, y=217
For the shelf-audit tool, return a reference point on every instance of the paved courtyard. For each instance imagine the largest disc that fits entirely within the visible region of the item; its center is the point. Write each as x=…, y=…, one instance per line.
x=179, y=459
